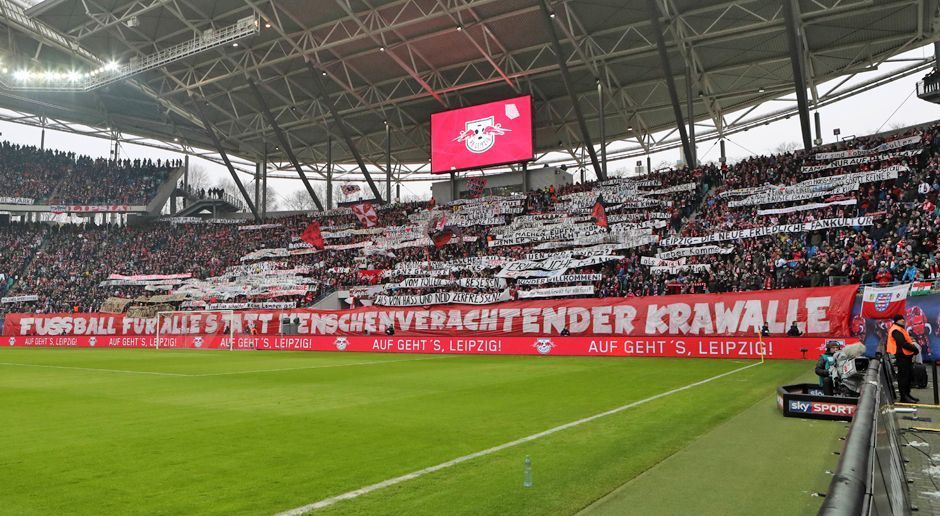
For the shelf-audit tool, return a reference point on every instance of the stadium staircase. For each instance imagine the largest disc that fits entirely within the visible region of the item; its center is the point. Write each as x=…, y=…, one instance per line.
x=28, y=266
x=55, y=191
x=327, y=300
x=168, y=188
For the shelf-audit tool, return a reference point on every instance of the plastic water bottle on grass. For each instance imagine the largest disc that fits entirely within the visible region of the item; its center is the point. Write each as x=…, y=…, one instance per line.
x=527, y=472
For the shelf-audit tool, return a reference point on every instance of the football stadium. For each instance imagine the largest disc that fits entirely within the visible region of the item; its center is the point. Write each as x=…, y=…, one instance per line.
x=548, y=257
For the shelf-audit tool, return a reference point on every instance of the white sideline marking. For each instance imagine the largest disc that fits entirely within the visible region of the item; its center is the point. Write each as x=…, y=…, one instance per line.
x=319, y=366
x=326, y=502
x=156, y=373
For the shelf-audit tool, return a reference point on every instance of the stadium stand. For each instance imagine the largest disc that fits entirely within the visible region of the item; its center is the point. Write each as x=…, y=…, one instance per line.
x=69, y=267
x=29, y=175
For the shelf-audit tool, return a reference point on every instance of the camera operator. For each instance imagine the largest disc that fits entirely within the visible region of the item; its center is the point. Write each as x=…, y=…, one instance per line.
x=825, y=362
x=900, y=344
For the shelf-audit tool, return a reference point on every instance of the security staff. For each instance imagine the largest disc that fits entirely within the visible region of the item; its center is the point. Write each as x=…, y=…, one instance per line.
x=901, y=345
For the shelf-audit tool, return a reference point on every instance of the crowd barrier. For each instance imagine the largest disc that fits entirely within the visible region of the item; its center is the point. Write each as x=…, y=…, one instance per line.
x=870, y=478
x=693, y=347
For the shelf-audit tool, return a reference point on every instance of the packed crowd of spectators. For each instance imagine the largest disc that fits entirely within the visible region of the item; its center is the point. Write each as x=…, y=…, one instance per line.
x=17, y=247
x=30, y=173
x=67, y=272
x=101, y=181
x=55, y=177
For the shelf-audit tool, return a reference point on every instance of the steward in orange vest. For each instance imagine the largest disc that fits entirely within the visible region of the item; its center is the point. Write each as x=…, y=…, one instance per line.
x=897, y=334
x=900, y=344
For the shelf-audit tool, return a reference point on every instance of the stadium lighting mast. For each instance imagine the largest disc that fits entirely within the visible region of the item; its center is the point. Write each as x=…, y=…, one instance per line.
x=110, y=71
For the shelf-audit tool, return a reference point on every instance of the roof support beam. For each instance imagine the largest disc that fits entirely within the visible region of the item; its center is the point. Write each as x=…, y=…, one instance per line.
x=667, y=72
x=221, y=150
x=791, y=13
x=566, y=78
x=284, y=142
x=341, y=125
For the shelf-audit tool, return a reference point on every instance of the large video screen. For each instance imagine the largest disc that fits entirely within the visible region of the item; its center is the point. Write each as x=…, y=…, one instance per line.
x=480, y=136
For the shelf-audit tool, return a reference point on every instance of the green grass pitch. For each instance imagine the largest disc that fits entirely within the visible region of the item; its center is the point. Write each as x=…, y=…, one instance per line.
x=213, y=432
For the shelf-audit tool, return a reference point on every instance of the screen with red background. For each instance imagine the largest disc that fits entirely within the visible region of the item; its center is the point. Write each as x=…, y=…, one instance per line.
x=489, y=134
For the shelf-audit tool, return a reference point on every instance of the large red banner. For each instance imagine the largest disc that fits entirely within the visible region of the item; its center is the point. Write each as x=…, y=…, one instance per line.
x=479, y=136
x=695, y=347
x=818, y=312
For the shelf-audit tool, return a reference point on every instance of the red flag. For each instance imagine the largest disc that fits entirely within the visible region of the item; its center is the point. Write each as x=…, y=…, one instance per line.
x=599, y=214
x=313, y=236
x=437, y=229
x=441, y=239
x=371, y=275
x=365, y=212
x=884, y=303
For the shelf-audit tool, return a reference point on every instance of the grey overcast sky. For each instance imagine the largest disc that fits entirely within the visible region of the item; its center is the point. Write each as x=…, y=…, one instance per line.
x=877, y=109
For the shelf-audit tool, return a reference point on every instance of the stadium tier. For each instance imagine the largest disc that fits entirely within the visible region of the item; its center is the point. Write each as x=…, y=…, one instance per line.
x=863, y=212
x=30, y=176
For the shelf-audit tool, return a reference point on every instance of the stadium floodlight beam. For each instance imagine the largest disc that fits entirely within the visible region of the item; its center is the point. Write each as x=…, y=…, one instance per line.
x=549, y=17
x=112, y=71
x=282, y=138
x=654, y=14
x=343, y=129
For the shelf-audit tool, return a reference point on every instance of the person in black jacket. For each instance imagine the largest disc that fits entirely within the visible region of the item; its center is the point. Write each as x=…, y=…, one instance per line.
x=390, y=330
x=765, y=330
x=794, y=331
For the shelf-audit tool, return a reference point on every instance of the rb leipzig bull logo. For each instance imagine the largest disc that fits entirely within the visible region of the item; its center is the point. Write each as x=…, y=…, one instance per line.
x=341, y=343
x=544, y=346
x=480, y=135
x=12, y=341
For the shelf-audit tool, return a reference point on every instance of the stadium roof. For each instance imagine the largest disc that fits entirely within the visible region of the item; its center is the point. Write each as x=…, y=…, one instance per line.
x=402, y=60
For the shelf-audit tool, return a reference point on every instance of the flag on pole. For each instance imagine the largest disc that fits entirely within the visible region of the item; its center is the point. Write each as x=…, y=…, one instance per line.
x=349, y=189
x=599, y=214
x=365, y=212
x=438, y=231
x=884, y=302
x=921, y=288
x=313, y=236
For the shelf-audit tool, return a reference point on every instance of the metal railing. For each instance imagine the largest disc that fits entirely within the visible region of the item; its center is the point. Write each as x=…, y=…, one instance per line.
x=109, y=73
x=870, y=478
